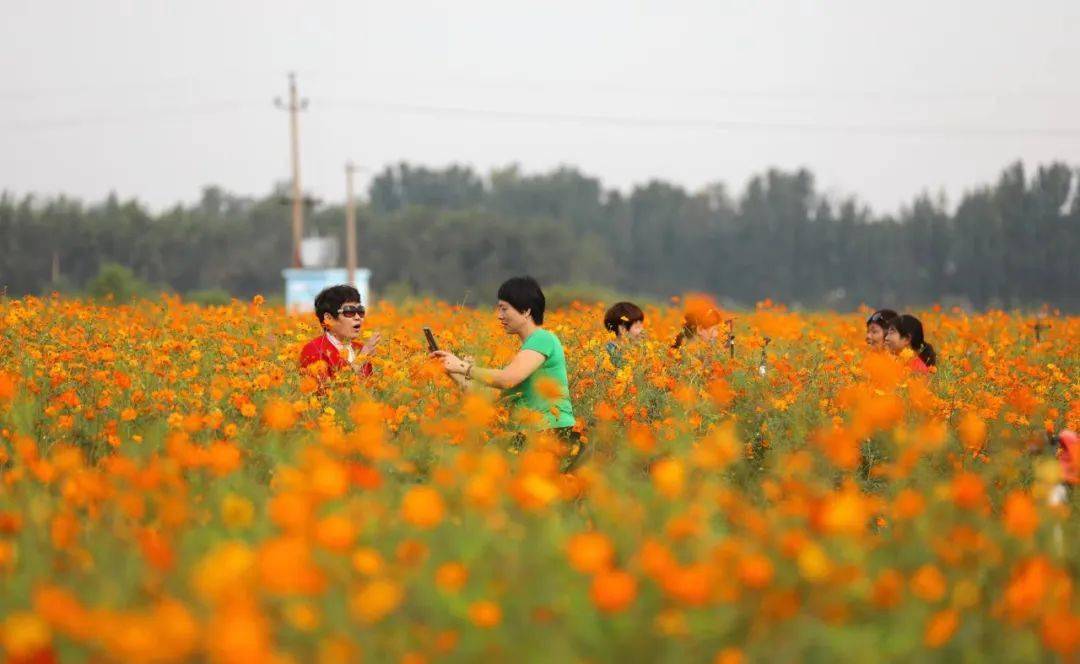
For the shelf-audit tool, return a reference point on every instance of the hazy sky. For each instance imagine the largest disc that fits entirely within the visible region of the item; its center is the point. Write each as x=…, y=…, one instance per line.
x=879, y=99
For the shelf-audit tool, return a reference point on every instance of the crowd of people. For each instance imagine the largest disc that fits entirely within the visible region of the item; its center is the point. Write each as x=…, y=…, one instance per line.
x=534, y=383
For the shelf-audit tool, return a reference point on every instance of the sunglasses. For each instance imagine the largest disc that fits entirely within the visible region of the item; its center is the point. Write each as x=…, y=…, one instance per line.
x=352, y=312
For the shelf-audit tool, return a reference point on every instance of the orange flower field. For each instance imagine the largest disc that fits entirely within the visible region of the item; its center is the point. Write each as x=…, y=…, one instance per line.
x=174, y=489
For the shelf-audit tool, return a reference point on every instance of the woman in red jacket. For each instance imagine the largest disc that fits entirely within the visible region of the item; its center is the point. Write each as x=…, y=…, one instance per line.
x=341, y=317
x=906, y=331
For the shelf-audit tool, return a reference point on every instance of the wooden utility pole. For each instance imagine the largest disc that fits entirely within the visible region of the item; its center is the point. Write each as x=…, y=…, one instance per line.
x=350, y=224
x=294, y=106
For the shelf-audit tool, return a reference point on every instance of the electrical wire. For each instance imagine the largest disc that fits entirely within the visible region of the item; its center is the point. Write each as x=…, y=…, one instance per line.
x=701, y=124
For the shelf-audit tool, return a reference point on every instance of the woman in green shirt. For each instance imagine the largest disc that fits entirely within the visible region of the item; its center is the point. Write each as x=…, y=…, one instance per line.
x=534, y=383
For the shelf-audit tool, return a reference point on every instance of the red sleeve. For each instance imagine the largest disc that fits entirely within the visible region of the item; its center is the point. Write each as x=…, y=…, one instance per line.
x=366, y=369
x=309, y=355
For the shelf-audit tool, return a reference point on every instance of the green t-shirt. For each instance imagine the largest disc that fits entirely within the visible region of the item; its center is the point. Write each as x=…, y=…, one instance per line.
x=557, y=411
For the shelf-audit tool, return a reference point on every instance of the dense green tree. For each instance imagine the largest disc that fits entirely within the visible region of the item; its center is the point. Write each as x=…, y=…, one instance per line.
x=455, y=234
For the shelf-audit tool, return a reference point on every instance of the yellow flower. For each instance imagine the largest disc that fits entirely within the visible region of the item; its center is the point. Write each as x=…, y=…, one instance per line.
x=227, y=570
x=367, y=561
x=24, y=634
x=375, y=600
x=236, y=511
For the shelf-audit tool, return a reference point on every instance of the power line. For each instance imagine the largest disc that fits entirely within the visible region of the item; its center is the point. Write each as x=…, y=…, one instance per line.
x=149, y=114
x=702, y=124
x=815, y=92
x=585, y=119
x=114, y=88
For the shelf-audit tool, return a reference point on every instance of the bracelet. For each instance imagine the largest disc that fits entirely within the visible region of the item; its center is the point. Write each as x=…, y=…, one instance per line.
x=468, y=370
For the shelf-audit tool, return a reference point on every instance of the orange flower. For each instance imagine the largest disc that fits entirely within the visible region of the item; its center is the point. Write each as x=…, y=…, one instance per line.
x=668, y=478
x=720, y=393
x=1020, y=516
x=613, y=591
x=534, y=491
x=367, y=561
x=329, y=478
x=376, y=600
x=928, y=584
x=718, y=449
x=25, y=635
x=225, y=572
x=223, y=458
x=1061, y=633
x=7, y=386
x=335, y=533
x=423, y=507
x=701, y=311
x=308, y=384
x=692, y=585
x=972, y=431
x=291, y=511
x=845, y=512
x=1029, y=585
x=485, y=614
x=841, y=448
x=279, y=415
x=755, y=571
x=908, y=505
x=590, y=553
x=286, y=567
x=941, y=627
x=238, y=632
x=479, y=412
x=888, y=589
x=451, y=577
x=882, y=370
x=968, y=491
x=549, y=388
x=657, y=561
x=604, y=412
x=729, y=656
x=156, y=550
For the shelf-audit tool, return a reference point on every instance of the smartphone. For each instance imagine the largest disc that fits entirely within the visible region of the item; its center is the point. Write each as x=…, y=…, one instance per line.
x=432, y=346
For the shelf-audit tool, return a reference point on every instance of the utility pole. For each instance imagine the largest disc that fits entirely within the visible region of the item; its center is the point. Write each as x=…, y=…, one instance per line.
x=294, y=106
x=350, y=224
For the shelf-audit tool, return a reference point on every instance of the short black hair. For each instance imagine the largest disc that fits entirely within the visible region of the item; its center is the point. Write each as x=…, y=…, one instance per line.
x=622, y=314
x=883, y=318
x=524, y=294
x=330, y=299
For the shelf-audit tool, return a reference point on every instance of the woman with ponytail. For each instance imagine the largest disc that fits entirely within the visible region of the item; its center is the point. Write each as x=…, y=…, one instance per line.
x=906, y=331
x=701, y=320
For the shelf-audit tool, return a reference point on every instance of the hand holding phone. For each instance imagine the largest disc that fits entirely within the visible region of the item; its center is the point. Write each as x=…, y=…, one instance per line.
x=432, y=346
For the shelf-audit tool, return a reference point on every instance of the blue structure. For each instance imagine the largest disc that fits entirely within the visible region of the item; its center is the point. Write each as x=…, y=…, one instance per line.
x=303, y=284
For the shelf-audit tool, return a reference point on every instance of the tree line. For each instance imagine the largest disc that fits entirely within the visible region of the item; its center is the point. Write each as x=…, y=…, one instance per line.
x=455, y=234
